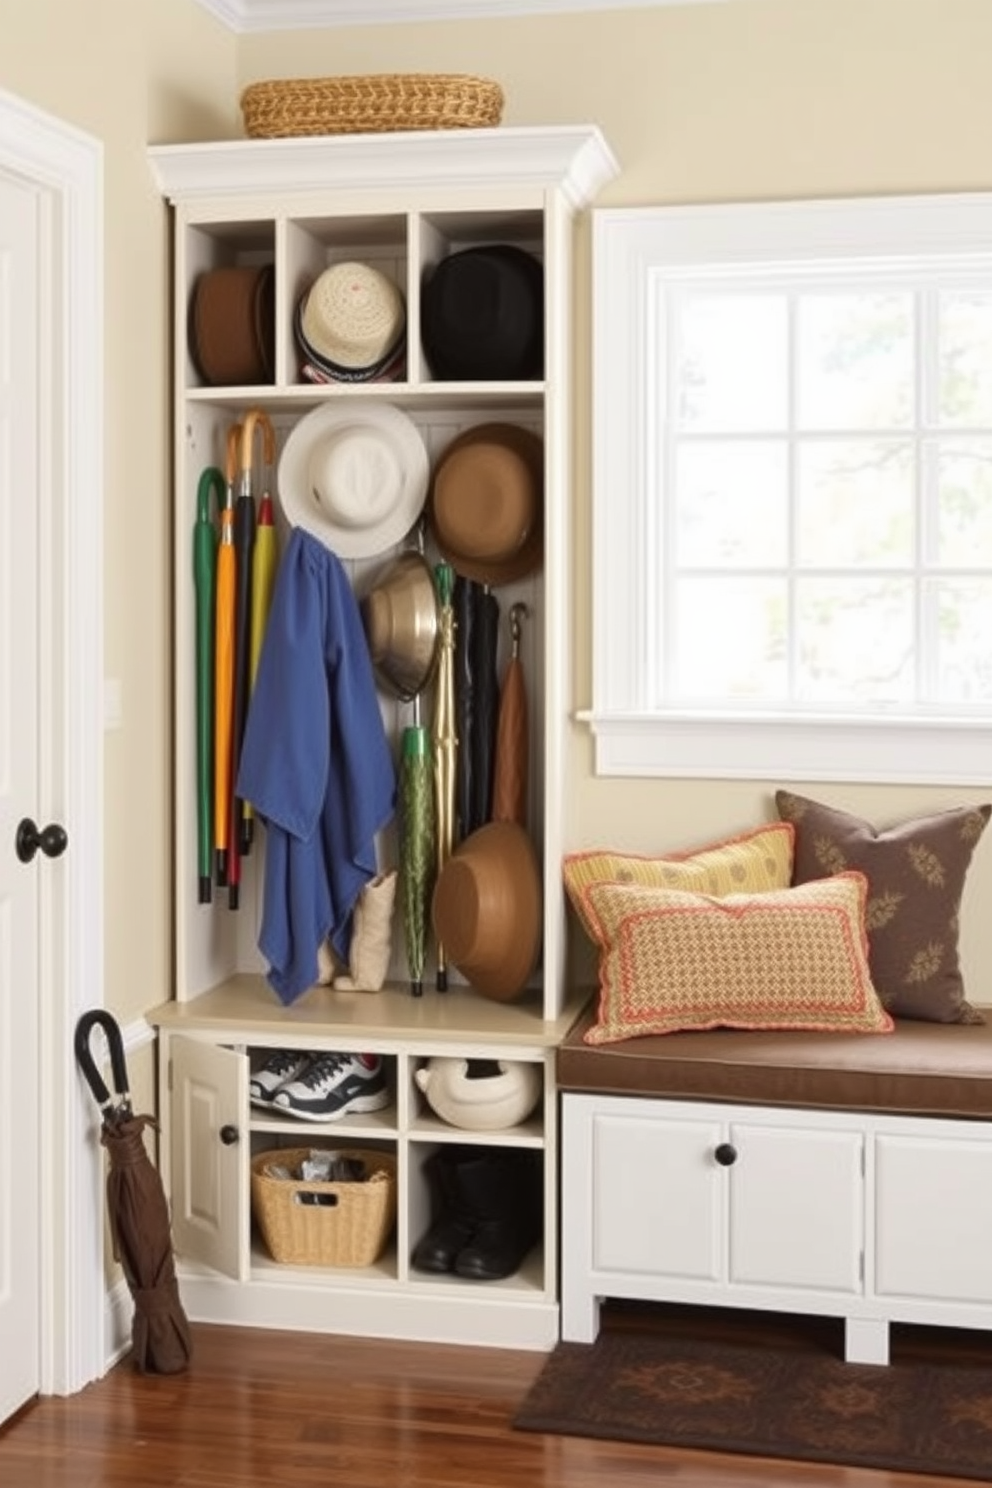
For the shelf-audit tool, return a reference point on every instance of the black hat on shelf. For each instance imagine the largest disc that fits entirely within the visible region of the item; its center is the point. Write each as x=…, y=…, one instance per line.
x=482, y=316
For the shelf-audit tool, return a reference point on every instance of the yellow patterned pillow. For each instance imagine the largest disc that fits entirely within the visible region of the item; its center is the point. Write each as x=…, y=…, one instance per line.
x=747, y=864
x=788, y=958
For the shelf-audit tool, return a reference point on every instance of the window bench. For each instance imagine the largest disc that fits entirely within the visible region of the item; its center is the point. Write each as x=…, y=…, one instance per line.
x=815, y=1173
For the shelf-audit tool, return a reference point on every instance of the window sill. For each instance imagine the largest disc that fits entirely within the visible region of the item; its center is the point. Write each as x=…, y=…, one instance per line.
x=883, y=752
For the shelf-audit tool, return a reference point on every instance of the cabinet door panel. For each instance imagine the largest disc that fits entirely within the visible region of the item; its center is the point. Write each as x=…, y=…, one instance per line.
x=659, y=1197
x=933, y=1218
x=796, y=1208
x=209, y=1177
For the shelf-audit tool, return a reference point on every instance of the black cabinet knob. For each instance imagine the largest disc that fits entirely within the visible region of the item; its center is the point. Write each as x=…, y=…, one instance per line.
x=726, y=1154
x=52, y=840
x=229, y=1135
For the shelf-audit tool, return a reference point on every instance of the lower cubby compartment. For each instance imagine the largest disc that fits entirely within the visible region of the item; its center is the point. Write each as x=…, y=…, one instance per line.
x=475, y=1210
x=324, y=1205
x=235, y=1269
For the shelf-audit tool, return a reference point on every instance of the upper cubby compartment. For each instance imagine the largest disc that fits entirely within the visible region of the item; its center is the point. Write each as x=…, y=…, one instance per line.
x=229, y=272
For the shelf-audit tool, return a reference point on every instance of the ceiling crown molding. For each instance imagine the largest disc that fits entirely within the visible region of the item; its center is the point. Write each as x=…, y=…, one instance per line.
x=299, y=15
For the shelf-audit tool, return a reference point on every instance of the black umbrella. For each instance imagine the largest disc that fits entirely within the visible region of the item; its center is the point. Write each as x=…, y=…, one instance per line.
x=467, y=592
x=137, y=1211
x=485, y=714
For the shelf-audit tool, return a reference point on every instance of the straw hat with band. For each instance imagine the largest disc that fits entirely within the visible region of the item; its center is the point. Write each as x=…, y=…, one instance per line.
x=487, y=503
x=355, y=475
x=482, y=315
x=351, y=322
x=487, y=909
x=232, y=325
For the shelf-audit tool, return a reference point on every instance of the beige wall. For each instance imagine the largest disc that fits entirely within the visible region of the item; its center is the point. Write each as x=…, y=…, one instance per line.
x=746, y=101
x=764, y=98
x=127, y=74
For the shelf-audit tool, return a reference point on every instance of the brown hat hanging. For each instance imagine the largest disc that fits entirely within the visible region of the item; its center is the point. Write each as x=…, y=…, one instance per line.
x=487, y=909
x=486, y=505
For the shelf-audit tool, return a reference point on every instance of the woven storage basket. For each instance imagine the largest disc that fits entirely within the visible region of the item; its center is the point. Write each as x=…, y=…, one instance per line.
x=349, y=1227
x=370, y=105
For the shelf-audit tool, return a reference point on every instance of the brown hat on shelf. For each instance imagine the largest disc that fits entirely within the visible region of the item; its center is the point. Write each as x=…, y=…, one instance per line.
x=486, y=504
x=487, y=909
x=402, y=621
x=232, y=325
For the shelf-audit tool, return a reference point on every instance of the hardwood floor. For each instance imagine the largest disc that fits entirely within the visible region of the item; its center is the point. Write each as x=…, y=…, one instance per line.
x=262, y=1409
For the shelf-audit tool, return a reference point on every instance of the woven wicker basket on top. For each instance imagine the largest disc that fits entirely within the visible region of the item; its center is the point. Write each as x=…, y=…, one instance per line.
x=370, y=105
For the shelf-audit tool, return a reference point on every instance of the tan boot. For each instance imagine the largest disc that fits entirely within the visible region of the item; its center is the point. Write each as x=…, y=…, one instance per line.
x=372, y=936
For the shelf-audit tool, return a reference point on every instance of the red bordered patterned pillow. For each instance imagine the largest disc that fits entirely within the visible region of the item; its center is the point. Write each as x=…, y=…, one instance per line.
x=784, y=959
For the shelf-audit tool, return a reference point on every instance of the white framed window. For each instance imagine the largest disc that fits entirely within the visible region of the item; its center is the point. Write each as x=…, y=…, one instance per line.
x=792, y=490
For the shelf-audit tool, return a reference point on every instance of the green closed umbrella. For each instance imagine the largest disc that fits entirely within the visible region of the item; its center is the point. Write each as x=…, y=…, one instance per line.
x=204, y=581
x=417, y=844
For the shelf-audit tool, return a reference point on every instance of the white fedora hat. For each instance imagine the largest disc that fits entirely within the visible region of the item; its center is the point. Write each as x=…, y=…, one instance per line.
x=355, y=474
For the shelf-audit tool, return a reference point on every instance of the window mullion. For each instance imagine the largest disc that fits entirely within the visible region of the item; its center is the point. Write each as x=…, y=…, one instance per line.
x=792, y=423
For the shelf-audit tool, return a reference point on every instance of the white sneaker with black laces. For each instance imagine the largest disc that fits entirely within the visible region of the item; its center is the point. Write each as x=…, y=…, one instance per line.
x=281, y=1066
x=335, y=1085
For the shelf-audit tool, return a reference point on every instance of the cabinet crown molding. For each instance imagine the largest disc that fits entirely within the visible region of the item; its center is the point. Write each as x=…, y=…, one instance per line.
x=574, y=159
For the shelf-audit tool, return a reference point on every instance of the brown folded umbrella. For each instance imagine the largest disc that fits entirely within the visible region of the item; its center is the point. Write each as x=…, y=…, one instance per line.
x=137, y=1212
x=510, y=768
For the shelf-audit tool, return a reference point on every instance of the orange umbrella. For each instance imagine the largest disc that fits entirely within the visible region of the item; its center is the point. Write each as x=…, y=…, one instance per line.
x=510, y=769
x=224, y=664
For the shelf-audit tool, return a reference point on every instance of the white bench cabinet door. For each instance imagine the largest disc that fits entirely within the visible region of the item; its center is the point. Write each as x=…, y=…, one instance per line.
x=796, y=1208
x=208, y=1156
x=933, y=1217
x=660, y=1199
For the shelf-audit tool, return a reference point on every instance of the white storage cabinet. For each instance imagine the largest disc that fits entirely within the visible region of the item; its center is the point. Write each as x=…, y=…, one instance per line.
x=871, y=1218
x=402, y=202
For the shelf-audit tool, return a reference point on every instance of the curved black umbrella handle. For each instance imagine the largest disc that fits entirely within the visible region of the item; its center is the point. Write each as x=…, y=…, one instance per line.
x=86, y=1062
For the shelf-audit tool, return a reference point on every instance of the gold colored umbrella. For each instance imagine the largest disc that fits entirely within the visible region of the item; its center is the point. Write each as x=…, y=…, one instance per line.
x=445, y=738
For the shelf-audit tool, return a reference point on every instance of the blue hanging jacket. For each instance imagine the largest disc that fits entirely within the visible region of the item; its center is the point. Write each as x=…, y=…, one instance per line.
x=315, y=763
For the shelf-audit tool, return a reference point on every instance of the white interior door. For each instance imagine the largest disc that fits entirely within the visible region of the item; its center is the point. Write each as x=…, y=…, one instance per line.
x=20, y=1074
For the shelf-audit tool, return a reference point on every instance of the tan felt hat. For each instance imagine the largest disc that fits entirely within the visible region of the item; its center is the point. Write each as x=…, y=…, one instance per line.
x=487, y=503
x=487, y=909
x=354, y=474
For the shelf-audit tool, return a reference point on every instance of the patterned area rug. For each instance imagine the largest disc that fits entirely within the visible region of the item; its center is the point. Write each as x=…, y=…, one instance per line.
x=772, y=1388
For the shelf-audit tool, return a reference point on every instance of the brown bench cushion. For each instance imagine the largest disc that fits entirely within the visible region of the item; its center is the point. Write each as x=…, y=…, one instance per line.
x=932, y=1069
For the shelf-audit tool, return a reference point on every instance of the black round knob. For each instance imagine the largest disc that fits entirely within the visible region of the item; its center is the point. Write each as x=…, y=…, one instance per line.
x=726, y=1154
x=51, y=839
x=229, y=1135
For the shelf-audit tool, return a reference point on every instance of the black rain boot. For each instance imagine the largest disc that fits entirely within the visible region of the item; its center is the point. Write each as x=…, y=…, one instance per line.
x=452, y=1226
x=502, y=1189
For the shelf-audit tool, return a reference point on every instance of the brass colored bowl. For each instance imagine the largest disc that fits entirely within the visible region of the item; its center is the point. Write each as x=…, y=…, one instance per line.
x=401, y=616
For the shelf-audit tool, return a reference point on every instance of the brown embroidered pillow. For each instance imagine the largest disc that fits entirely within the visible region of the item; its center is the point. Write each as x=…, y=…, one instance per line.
x=916, y=872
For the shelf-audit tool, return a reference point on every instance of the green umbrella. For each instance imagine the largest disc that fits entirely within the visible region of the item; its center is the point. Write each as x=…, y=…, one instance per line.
x=417, y=829
x=204, y=579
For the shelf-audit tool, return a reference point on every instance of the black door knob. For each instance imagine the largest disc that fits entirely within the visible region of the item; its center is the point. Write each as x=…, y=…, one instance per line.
x=51, y=839
x=725, y=1154
x=229, y=1135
